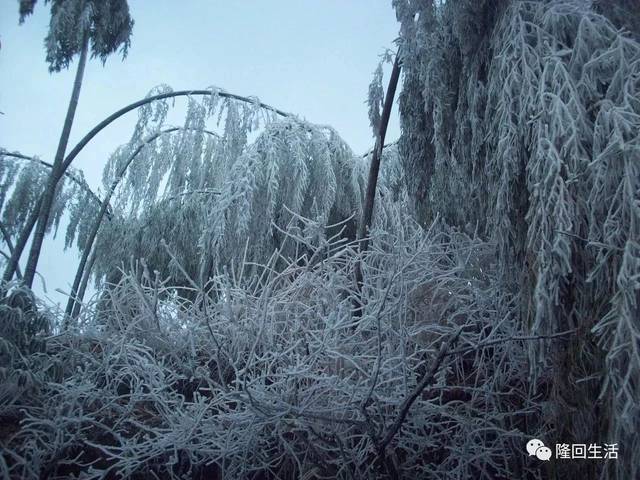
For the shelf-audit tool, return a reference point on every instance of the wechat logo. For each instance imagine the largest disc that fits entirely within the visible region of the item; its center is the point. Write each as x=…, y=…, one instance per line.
x=536, y=448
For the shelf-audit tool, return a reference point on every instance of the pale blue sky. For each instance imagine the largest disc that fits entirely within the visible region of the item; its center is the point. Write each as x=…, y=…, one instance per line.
x=314, y=58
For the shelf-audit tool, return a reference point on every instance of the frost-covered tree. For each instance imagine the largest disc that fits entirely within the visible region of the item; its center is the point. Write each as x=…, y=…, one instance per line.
x=218, y=199
x=521, y=121
x=80, y=280
x=223, y=199
x=76, y=27
x=191, y=166
x=271, y=378
x=22, y=179
x=157, y=96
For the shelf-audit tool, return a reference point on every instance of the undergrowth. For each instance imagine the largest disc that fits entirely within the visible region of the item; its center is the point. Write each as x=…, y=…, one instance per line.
x=274, y=376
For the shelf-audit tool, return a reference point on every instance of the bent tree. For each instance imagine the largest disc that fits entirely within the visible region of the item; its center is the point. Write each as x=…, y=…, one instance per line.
x=77, y=291
x=221, y=200
x=144, y=104
x=167, y=192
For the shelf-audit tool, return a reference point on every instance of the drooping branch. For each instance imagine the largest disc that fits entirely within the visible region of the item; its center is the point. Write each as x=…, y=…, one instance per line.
x=181, y=93
x=73, y=298
x=70, y=175
x=26, y=232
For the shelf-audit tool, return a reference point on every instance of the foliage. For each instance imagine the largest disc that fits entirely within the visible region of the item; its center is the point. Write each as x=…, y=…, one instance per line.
x=534, y=114
x=271, y=376
x=224, y=341
x=221, y=199
x=107, y=23
x=216, y=197
x=21, y=184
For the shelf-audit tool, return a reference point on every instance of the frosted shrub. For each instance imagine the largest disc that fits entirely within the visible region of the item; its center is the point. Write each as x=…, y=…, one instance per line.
x=273, y=374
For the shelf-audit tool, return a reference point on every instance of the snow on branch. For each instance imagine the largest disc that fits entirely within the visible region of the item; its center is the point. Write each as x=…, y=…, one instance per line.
x=278, y=377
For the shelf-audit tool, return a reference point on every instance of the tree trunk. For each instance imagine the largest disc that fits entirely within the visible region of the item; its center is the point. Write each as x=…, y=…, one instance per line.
x=57, y=171
x=83, y=288
x=372, y=183
x=85, y=255
x=7, y=240
x=13, y=263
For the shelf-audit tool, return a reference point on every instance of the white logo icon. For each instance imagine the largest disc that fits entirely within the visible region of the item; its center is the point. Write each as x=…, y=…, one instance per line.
x=536, y=447
x=543, y=453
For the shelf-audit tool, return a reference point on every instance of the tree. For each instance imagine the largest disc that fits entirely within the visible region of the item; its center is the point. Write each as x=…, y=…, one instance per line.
x=192, y=169
x=155, y=99
x=379, y=123
x=77, y=294
x=254, y=197
x=520, y=121
x=75, y=27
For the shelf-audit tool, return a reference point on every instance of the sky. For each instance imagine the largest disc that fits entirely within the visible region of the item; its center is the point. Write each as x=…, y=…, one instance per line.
x=314, y=58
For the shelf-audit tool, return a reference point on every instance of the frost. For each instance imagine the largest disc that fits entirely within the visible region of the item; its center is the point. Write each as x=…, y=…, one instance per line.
x=271, y=375
x=23, y=180
x=522, y=119
x=211, y=194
